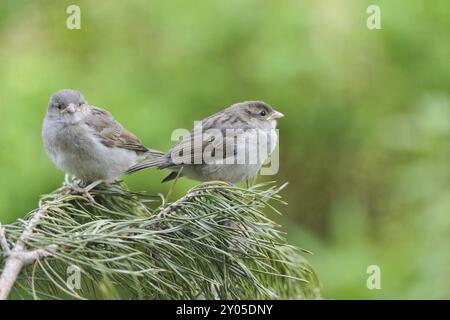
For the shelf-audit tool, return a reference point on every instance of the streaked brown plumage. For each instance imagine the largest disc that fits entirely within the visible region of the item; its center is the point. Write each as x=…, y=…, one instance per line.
x=87, y=142
x=240, y=118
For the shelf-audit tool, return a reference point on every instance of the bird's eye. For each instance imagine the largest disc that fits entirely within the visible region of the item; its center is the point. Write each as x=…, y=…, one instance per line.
x=262, y=113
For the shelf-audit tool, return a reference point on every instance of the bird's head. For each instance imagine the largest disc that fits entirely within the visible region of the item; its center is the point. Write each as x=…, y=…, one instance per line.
x=66, y=104
x=258, y=112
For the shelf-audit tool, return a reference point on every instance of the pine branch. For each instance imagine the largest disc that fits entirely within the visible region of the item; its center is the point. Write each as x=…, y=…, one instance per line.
x=19, y=256
x=213, y=243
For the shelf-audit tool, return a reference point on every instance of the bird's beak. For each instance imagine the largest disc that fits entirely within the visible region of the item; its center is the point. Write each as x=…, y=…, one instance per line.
x=275, y=115
x=72, y=108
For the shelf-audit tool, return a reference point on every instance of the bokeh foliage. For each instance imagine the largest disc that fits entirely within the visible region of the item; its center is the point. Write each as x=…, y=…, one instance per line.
x=364, y=144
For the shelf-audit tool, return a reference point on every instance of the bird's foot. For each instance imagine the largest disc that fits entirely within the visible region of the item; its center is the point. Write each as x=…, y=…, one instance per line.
x=75, y=189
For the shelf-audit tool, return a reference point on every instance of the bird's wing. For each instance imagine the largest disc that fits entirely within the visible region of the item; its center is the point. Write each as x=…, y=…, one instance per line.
x=213, y=139
x=196, y=146
x=111, y=133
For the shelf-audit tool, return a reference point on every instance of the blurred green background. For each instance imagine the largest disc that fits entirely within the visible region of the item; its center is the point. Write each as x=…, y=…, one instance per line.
x=365, y=143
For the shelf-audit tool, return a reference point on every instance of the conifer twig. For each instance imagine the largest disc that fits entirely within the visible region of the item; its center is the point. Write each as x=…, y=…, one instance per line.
x=19, y=257
x=216, y=243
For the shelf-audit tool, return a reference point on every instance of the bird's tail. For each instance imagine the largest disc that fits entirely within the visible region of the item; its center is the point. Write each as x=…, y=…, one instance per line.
x=158, y=162
x=153, y=153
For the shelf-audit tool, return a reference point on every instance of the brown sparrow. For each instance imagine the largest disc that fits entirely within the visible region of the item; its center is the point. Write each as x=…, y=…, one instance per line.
x=86, y=142
x=225, y=146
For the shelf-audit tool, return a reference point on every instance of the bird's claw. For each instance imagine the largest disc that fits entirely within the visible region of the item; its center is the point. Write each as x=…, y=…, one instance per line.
x=83, y=191
x=75, y=190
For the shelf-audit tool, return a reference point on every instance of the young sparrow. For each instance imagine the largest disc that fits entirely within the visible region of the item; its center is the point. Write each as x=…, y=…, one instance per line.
x=230, y=145
x=86, y=141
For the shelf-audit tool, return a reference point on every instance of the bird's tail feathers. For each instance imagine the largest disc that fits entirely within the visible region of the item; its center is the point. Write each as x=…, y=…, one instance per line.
x=155, y=162
x=153, y=153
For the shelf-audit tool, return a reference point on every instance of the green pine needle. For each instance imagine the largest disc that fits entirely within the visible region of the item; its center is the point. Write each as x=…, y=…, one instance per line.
x=213, y=243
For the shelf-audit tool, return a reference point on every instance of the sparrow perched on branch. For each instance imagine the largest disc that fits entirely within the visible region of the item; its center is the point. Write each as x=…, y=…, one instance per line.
x=86, y=142
x=225, y=146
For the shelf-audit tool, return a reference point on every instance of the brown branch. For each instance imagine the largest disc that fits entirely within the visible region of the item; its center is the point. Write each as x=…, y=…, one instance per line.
x=172, y=208
x=18, y=257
